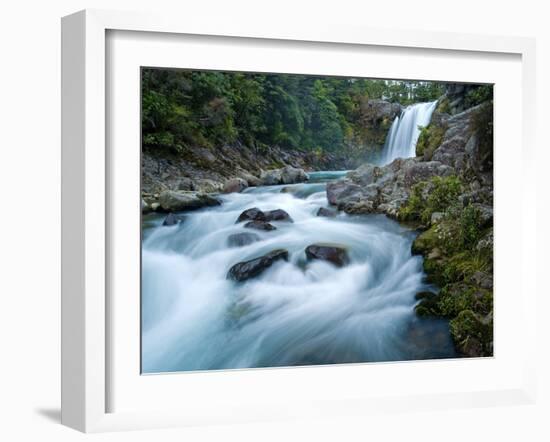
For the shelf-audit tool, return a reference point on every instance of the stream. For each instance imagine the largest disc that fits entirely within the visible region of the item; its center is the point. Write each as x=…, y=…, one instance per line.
x=297, y=312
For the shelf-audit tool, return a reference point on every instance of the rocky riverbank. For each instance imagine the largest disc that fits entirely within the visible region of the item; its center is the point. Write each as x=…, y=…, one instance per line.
x=447, y=192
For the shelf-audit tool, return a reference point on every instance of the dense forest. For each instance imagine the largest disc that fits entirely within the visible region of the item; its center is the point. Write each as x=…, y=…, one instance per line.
x=182, y=108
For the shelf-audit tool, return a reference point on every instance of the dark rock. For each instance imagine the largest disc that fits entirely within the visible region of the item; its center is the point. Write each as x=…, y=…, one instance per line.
x=483, y=280
x=333, y=254
x=249, y=269
x=424, y=295
x=278, y=215
x=260, y=225
x=253, y=214
x=172, y=220
x=242, y=239
x=329, y=213
x=145, y=208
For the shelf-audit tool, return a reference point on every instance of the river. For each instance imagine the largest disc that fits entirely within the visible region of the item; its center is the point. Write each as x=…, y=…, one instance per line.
x=295, y=313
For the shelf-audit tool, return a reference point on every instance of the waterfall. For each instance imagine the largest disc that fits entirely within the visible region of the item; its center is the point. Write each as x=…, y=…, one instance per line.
x=403, y=135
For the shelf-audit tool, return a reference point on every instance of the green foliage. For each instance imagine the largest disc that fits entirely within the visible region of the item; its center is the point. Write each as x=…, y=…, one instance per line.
x=455, y=298
x=444, y=193
x=479, y=95
x=427, y=197
x=472, y=333
x=182, y=108
x=453, y=261
x=444, y=106
x=429, y=140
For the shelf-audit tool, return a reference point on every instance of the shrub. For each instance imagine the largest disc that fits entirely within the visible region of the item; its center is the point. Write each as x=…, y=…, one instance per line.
x=437, y=195
x=429, y=140
x=478, y=95
x=444, y=106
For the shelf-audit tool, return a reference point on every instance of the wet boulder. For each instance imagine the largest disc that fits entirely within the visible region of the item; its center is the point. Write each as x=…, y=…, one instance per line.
x=271, y=177
x=235, y=185
x=176, y=201
x=242, y=239
x=260, y=225
x=292, y=175
x=329, y=213
x=338, y=191
x=285, y=175
x=172, y=220
x=278, y=215
x=254, y=267
x=253, y=214
x=336, y=255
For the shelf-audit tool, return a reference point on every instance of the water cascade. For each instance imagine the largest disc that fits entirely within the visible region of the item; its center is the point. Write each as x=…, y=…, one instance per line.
x=298, y=312
x=405, y=130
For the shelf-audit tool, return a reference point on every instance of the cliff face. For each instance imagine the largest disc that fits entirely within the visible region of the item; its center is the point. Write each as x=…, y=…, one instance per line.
x=207, y=170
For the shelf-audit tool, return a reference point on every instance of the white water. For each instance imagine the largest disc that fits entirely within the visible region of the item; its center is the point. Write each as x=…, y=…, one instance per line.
x=405, y=130
x=294, y=313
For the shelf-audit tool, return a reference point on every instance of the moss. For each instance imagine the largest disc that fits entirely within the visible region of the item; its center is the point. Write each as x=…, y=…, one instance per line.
x=444, y=106
x=427, y=197
x=472, y=334
x=463, y=265
x=425, y=242
x=454, y=263
x=429, y=140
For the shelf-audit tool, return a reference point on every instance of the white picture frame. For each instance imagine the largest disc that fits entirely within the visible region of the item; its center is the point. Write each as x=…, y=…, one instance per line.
x=87, y=356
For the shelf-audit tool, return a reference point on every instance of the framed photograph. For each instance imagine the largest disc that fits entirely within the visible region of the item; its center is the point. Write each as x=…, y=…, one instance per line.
x=264, y=223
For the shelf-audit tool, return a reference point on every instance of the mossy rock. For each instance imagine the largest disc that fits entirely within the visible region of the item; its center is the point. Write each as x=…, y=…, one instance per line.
x=425, y=242
x=472, y=333
x=455, y=298
x=429, y=140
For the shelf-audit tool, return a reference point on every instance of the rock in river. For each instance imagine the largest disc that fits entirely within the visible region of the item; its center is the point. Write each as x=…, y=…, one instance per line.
x=172, y=220
x=278, y=215
x=253, y=214
x=260, y=225
x=249, y=269
x=334, y=254
x=256, y=214
x=242, y=239
x=286, y=175
x=329, y=213
x=175, y=201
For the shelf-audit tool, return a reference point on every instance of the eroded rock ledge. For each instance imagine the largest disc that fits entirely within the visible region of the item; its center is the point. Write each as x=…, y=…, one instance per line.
x=374, y=189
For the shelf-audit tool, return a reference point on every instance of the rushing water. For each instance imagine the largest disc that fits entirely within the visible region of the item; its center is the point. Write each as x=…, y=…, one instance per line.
x=405, y=130
x=296, y=312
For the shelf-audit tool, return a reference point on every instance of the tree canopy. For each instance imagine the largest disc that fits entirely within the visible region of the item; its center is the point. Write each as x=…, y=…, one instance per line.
x=210, y=108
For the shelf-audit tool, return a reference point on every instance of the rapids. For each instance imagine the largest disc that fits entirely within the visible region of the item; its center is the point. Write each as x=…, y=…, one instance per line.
x=296, y=312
